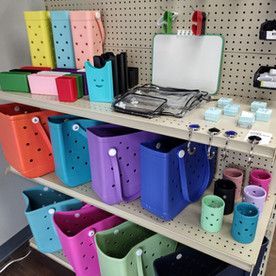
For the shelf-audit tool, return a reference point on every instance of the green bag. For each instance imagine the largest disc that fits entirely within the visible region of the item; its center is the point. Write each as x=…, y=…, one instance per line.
x=129, y=250
x=14, y=81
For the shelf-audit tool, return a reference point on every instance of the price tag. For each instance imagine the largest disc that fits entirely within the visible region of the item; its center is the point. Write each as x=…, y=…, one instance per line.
x=266, y=137
x=271, y=35
x=268, y=84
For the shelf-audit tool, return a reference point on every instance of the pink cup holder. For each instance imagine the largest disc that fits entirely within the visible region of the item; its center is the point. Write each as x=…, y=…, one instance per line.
x=260, y=177
x=235, y=175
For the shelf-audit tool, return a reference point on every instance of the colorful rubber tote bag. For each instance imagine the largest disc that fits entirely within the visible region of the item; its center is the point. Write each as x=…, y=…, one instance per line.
x=25, y=139
x=129, y=250
x=70, y=148
x=115, y=161
x=171, y=179
x=41, y=204
x=76, y=230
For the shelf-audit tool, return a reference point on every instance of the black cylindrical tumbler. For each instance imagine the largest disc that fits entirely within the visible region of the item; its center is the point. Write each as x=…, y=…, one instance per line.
x=225, y=189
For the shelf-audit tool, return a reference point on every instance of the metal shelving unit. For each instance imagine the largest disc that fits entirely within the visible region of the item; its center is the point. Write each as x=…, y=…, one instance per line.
x=185, y=228
x=169, y=126
x=57, y=256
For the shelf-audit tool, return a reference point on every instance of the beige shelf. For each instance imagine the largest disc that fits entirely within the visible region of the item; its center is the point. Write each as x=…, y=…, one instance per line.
x=184, y=228
x=163, y=125
x=57, y=256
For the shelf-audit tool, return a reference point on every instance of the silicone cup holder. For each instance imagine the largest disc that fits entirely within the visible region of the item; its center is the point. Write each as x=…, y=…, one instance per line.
x=245, y=222
x=236, y=175
x=255, y=195
x=260, y=178
x=212, y=213
x=226, y=190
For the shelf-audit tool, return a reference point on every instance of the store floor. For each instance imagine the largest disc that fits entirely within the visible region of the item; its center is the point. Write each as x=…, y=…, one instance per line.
x=38, y=264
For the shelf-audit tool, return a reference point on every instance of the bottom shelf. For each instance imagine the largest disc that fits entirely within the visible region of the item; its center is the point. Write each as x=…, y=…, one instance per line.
x=57, y=256
x=185, y=228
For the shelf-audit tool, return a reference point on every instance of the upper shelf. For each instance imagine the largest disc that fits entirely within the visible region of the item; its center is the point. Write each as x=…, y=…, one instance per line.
x=185, y=228
x=165, y=125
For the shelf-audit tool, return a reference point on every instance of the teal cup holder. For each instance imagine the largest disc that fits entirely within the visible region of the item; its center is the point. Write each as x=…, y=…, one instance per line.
x=245, y=222
x=212, y=210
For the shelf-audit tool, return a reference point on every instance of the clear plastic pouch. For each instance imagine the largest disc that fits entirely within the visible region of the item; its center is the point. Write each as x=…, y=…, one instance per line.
x=151, y=100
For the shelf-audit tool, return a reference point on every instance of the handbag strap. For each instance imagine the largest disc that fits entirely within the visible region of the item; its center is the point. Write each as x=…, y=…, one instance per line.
x=37, y=124
x=112, y=152
x=79, y=129
x=183, y=178
x=100, y=26
x=139, y=262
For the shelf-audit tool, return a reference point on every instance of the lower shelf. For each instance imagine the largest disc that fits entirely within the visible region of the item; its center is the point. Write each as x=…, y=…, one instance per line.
x=57, y=256
x=185, y=228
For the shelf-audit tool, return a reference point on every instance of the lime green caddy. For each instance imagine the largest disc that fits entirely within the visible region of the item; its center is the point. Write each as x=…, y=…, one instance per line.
x=129, y=250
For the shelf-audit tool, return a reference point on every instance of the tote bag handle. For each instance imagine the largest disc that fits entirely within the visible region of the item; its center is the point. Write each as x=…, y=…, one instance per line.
x=139, y=262
x=202, y=181
x=100, y=26
x=112, y=152
x=79, y=129
x=38, y=126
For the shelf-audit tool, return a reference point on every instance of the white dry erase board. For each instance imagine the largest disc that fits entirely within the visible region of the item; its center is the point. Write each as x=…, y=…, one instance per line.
x=187, y=61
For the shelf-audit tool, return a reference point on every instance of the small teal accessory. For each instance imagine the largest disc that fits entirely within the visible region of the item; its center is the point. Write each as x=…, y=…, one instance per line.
x=247, y=119
x=232, y=110
x=263, y=114
x=222, y=102
x=213, y=114
x=258, y=104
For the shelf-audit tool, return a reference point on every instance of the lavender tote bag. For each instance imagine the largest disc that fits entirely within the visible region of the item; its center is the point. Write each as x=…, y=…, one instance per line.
x=115, y=161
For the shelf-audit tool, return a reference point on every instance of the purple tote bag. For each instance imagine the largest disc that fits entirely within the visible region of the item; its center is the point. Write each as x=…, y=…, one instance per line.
x=115, y=161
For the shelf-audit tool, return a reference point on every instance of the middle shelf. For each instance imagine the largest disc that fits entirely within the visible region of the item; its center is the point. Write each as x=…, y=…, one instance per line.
x=185, y=228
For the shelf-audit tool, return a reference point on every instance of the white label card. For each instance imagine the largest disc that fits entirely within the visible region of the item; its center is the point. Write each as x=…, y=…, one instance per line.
x=271, y=35
x=266, y=137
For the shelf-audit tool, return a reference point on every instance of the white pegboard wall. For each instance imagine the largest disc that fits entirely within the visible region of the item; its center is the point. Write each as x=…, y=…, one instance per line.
x=131, y=24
